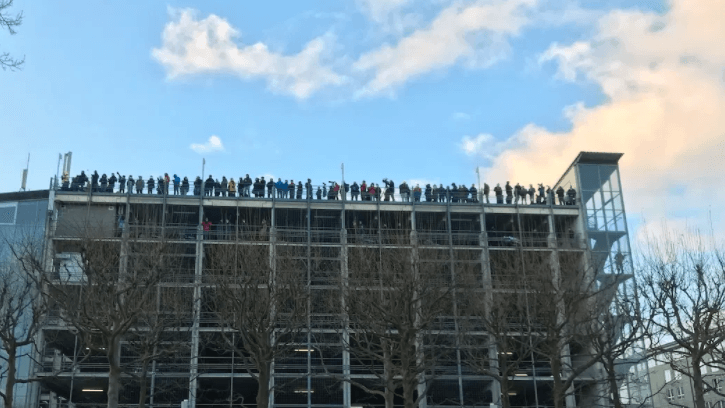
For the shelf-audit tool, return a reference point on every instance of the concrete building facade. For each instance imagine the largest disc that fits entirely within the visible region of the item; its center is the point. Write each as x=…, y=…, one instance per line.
x=23, y=217
x=671, y=388
x=321, y=234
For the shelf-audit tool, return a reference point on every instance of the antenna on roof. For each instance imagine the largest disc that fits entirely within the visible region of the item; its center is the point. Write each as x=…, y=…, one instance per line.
x=25, y=174
x=66, y=168
x=66, y=163
x=57, y=171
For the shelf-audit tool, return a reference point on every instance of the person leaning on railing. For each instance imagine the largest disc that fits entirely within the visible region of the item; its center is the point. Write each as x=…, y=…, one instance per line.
x=270, y=188
x=121, y=183
x=417, y=192
x=532, y=193
x=167, y=181
x=389, y=189
x=184, y=186
x=334, y=190
x=354, y=191
x=474, y=193
x=232, y=186
x=131, y=183
x=104, y=183
x=308, y=189
x=160, y=189
x=197, y=186
x=278, y=185
x=224, y=186
x=112, y=183
x=364, y=190
x=258, y=187
x=404, y=190
x=499, y=193
x=571, y=196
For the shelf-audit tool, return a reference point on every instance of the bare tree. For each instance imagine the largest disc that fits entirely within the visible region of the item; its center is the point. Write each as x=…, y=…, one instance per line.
x=567, y=301
x=544, y=315
x=682, y=283
x=21, y=315
x=106, y=292
x=496, y=331
x=262, y=307
x=9, y=22
x=158, y=334
x=617, y=337
x=399, y=306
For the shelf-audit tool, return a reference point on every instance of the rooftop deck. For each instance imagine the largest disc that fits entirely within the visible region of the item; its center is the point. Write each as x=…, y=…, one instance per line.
x=247, y=202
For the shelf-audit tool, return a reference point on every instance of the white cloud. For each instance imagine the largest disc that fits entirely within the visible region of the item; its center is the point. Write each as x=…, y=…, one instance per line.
x=191, y=46
x=461, y=116
x=390, y=16
x=487, y=147
x=477, y=145
x=214, y=144
x=380, y=10
x=665, y=110
x=474, y=33
x=571, y=59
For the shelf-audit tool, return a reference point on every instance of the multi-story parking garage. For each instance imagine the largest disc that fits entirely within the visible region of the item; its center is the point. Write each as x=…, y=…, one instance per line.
x=325, y=357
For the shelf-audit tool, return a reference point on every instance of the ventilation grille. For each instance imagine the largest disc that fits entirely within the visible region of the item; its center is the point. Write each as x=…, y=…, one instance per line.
x=7, y=214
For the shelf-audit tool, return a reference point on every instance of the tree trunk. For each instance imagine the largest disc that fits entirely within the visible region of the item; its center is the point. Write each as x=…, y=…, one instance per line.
x=388, y=375
x=613, y=386
x=558, y=392
x=10, y=380
x=114, y=372
x=263, y=386
x=410, y=379
x=697, y=384
x=409, y=387
x=389, y=394
x=504, y=384
x=142, y=385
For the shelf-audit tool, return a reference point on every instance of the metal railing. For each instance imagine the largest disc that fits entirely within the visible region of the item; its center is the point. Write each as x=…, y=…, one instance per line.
x=453, y=197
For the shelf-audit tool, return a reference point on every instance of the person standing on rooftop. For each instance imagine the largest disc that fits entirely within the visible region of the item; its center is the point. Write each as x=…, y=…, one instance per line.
x=167, y=181
x=232, y=187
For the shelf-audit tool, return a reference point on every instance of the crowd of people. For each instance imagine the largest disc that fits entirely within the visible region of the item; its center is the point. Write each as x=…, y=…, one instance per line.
x=288, y=189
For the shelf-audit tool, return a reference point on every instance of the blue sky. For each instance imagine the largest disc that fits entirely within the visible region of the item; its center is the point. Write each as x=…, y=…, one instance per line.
x=406, y=89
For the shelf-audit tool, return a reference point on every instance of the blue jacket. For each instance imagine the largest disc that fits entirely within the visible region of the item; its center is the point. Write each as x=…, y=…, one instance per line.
x=280, y=185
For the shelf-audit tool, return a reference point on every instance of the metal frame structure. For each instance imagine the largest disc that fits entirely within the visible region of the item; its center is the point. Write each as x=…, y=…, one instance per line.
x=332, y=228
